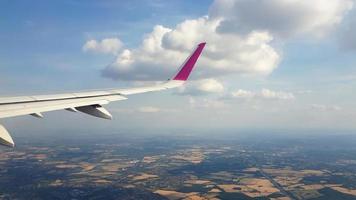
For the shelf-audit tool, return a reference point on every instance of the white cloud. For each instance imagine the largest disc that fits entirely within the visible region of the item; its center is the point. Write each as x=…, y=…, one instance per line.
x=144, y=109
x=320, y=107
x=280, y=17
x=263, y=94
x=239, y=36
x=164, y=49
x=210, y=85
x=148, y=109
x=243, y=94
x=206, y=103
x=269, y=94
x=107, y=46
x=204, y=86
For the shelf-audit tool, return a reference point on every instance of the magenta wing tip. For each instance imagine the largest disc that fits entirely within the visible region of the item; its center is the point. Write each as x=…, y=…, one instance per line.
x=202, y=44
x=188, y=66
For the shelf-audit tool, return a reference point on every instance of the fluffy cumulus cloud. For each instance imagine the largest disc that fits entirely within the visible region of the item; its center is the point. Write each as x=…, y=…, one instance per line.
x=164, y=49
x=251, y=53
x=240, y=35
x=263, y=94
x=280, y=17
x=107, y=46
x=201, y=87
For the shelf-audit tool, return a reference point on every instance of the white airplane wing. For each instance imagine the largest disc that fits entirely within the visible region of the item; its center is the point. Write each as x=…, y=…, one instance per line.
x=86, y=102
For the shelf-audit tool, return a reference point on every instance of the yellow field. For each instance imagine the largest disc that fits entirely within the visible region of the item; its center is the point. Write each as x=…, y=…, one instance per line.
x=253, y=187
x=144, y=176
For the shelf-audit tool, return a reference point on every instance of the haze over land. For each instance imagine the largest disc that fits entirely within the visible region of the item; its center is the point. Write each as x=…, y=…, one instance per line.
x=136, y=166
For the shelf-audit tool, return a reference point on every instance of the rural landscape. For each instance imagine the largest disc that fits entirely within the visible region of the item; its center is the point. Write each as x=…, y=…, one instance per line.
x=191, y=168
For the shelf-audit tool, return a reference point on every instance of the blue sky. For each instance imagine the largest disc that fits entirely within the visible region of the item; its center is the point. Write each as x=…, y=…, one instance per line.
x=275, y=64
x=47, y=36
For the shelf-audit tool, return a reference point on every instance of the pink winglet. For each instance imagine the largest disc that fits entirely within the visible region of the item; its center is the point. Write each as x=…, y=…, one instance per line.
x=184, y=72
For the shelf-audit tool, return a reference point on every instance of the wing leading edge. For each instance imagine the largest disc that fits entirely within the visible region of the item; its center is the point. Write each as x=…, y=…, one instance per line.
x=86, y=102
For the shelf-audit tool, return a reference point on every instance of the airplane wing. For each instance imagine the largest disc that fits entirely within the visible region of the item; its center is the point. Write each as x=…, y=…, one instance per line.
x=86, y=102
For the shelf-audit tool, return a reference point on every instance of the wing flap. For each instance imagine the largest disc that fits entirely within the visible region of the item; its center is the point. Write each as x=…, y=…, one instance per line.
x=96, y=111
x=12, y=110
x=5, y=137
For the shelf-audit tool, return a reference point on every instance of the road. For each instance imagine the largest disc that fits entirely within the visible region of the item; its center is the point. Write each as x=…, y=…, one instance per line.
x=278, y=186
